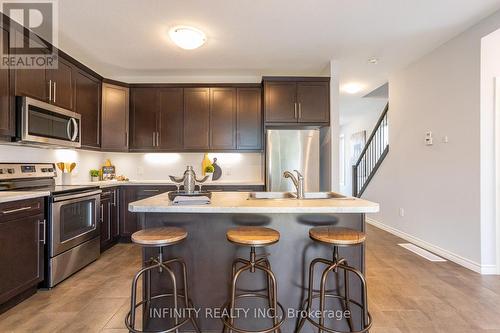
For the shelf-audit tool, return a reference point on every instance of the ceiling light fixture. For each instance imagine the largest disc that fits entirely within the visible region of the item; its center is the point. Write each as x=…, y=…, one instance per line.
x=188, y=38
x=352, y=88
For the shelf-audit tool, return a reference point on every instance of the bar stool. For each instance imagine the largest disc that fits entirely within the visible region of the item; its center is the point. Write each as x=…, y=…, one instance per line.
x=160, y=238
x=338, y=237
x=253, y=237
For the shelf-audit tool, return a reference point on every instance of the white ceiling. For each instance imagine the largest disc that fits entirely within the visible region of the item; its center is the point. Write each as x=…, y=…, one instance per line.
x=127, y=39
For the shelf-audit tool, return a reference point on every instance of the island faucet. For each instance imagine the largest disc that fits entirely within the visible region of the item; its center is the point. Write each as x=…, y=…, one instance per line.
x=297, y=181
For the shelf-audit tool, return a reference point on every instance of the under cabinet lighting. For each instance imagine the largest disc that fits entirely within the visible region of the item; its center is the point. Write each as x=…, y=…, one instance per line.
x=226, y=158
x=161, y=158
x=66, y=155
x=188, y=38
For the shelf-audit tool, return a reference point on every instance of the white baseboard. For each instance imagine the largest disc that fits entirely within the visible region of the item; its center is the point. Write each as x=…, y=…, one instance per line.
x=474, y=266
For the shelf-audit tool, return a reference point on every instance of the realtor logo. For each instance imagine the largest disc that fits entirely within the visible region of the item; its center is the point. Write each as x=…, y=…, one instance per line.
x=30, y=48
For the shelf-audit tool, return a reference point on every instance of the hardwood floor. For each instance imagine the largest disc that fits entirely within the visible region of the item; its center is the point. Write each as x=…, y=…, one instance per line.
x=407, y=293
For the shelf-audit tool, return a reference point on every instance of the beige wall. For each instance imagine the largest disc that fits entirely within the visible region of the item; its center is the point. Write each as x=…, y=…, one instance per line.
x=445, y=189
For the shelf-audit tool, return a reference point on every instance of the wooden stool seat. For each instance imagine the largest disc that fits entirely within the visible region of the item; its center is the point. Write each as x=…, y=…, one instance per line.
x=253, y=236
x=337, y=235
x=159, y=236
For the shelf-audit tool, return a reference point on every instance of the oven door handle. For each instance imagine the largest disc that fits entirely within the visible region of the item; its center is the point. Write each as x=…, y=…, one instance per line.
x=75, y=196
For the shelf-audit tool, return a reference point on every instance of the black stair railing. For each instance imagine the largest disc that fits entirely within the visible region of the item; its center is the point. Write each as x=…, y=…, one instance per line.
x=370, y=159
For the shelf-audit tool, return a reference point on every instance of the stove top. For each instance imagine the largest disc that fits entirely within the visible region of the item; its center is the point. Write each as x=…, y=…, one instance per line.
x=35, y=177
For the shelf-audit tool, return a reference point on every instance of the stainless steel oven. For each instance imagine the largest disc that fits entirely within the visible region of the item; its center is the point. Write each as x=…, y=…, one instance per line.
x=44, y=123
x=74, y=220
x=74, y=233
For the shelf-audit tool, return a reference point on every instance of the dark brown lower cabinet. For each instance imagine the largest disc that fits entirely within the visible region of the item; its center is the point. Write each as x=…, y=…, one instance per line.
x=109, y=218
x=128, y=220
x=22, y=241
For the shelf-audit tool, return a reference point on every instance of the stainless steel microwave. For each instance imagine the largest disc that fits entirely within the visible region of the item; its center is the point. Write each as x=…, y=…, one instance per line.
x=42, y=123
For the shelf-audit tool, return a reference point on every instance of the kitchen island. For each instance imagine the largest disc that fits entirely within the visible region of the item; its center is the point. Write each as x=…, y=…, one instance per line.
x=209, y=255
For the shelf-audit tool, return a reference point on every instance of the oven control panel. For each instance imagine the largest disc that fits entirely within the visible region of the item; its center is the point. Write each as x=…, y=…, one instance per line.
x=27, y=170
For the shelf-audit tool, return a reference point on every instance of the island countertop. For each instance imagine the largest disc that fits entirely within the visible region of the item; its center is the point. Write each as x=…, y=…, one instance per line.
x=237, y=202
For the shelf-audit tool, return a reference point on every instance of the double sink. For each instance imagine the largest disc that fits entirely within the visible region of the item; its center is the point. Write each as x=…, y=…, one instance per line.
x=292, y=195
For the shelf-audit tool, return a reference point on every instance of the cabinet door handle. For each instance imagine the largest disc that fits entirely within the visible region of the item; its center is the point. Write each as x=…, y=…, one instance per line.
x=154, y=139
x=157, y=139
x=151, y=190
x=114, y=198
x=126, y=139
x=11, y=211
x=295, y=110
x=44, y=224
x=54, y=91
x=102, y=213
x=300, y=110
x=50, y=90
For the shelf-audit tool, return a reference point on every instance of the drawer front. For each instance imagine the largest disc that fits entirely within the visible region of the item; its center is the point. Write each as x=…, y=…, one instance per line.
x=22, y=208
x=149, y=191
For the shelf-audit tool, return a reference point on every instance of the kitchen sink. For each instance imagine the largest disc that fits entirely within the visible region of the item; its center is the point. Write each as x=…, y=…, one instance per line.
x=292, y=195
x=271, y=195
x=323, y=195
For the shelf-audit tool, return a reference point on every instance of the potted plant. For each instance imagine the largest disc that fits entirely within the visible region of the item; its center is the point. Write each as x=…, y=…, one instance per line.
x=94, y=175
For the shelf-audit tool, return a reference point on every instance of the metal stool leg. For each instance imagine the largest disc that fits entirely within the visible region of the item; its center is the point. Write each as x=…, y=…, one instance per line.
x=366, y=315
x=233, y=292
x=346, y=297
x=322, y=294
x=274, y=297
x=186, y=293
x=310, y=289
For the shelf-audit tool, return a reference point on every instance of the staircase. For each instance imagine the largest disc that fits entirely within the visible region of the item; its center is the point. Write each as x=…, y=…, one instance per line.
x=372, y=156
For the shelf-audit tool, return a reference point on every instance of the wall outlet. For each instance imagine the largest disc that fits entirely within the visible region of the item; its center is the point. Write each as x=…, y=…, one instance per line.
x=401, y=212
x=227, y=171
x=140, y=170
x=428, y=139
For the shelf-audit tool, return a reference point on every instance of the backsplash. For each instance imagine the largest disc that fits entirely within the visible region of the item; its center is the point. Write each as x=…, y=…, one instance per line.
x=236, y=167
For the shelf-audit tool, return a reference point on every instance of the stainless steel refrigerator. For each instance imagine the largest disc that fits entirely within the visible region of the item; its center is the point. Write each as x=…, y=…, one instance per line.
x=289, y=150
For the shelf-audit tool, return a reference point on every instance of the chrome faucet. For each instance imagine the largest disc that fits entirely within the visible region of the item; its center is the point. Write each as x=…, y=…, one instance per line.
x=297, y=181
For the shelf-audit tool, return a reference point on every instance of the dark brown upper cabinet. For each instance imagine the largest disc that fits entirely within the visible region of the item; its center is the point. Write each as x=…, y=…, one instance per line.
x=313, y=100
x=222, y=118
x=114, y=118
x=280, y=102
x=88, y=103
x=54, y=86
x=297, y=100
x=7, y=121
x=196, y=118
x=30, y=82
x=144, y=109
x=171, y=116
x=249, y=119
x=60, y=84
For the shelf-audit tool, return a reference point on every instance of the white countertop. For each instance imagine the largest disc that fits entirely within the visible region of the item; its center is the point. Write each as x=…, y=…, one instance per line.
x=111, y=183
x=236, y=202
x=7, y=196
